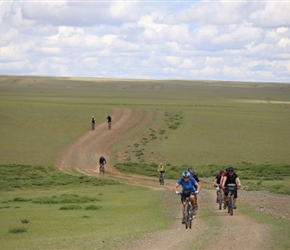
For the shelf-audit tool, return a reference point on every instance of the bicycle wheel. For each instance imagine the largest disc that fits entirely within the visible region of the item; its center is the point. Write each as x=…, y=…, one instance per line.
x=220, y=200
x=190, y=213
x=232, y=204
x=186, y=215
x=229, y=203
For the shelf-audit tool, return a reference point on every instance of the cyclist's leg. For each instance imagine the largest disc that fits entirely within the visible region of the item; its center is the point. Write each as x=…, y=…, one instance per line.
x=193, y=200
x=182, y=210
x=193, y=203
x=217, y=195
x=235, y=198
x=226, y=192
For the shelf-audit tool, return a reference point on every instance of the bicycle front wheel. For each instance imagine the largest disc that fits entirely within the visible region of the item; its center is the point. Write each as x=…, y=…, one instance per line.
x=186, y=215
x=220, y=200
x=232, y=205
x=190, y=214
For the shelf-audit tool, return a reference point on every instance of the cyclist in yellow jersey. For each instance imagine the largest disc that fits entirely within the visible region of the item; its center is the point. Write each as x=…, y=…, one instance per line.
x=160, y=169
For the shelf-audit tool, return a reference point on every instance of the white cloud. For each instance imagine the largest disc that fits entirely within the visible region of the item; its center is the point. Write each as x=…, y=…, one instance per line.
x=241, y=40
x=272, y=14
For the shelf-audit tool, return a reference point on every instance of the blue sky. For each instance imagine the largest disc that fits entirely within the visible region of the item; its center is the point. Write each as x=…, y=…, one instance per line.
x=213, y=40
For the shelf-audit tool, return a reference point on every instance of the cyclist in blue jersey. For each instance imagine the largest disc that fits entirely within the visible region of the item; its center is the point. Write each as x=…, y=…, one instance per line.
x=190, y=187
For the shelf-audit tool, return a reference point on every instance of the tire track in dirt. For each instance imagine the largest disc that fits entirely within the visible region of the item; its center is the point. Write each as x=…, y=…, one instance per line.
x=83, y=154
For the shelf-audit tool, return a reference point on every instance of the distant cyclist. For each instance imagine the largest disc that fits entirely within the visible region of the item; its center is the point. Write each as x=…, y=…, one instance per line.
x=231, y=178
x=109, y=121
x=93, y=122
x=217, y=181
x=189, y=188
x=160, y=169
x=102, y=162
x=221, y=183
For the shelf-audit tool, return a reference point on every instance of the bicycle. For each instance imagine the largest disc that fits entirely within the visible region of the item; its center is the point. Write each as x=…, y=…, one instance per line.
x=93, y=125
x=102, y=168
x=188, y=209
x=161, y=179
x=219, y=195
x=231, y=188
x=109, y=125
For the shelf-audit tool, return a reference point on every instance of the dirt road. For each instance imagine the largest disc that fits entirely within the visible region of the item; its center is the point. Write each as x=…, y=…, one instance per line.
x=83, y=156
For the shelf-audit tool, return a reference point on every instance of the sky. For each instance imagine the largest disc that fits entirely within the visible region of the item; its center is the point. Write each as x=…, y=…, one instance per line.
x=146, y=39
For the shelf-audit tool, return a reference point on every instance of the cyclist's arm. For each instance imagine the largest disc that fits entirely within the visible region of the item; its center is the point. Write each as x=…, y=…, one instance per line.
x=215, y=181
x=238, y=182
x=224, y=181
x=197, y=186
x=175, y=186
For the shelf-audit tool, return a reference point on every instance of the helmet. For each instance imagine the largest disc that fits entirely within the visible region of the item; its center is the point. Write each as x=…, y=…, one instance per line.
x=160, y=163
x=93, y=117
x=222, y=171
x=191, y=170
x=230, y=169
x=185, y=174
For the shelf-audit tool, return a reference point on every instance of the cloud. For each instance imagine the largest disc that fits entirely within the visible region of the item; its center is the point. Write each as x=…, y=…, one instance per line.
x=225, y=40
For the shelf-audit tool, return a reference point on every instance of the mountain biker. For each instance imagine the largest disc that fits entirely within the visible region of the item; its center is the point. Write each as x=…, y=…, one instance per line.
x=189, y=188
x=93, y=121
x=102, y=161
x=160, y=169
x=193, y=174
x=231, y=178
x=217, y=180
x=221, y=182
x=109, y=120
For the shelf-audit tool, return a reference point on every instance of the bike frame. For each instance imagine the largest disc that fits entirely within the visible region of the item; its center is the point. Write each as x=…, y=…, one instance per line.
x=102, y=169
x=231, y=188
x=219, y=195
x=161, y=179
x=188, y=211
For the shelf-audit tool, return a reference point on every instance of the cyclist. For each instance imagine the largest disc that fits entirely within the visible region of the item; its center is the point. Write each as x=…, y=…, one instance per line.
x=93, y=122
x=189, y=188
x=231, y=178
x=193, y=174
x=160, y=169
x=217, y=180
x=109, y=120
x=221, y=182
x=102, y=162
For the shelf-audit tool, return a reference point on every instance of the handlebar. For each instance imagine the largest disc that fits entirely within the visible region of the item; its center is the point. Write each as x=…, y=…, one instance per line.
x=180, y=193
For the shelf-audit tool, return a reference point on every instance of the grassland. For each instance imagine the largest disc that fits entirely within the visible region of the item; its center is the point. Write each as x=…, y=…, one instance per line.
x=43, y=208
x=216, y=122
x=207, y=125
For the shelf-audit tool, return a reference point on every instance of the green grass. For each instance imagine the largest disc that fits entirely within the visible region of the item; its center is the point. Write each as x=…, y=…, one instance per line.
x=196, y=122
x=273, y=178
x=24, y=176
x=81, y=213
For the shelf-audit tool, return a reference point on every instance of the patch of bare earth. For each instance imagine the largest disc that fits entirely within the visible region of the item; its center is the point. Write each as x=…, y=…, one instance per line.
x=83, y=155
